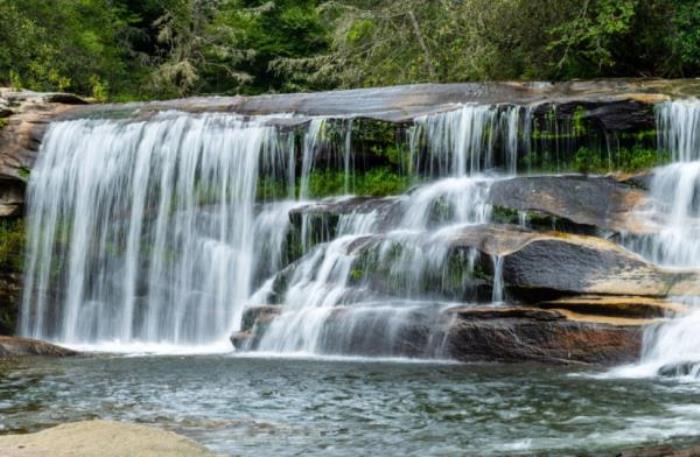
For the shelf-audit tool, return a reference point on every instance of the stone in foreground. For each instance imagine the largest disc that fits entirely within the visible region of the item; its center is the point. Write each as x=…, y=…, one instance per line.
x=12, y=346
x=101, y=439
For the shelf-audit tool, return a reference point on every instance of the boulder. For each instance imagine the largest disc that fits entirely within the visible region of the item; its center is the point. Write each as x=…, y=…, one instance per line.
x=12, y=346
x=593, y=202
x=588, y=265
x=101, y=439
x=510, y=334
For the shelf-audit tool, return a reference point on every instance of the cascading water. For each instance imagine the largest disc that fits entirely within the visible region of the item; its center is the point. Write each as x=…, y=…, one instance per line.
x=152, y=232
x=675, y=346
x=334, y=293
x=144, y=231
x=463, y=142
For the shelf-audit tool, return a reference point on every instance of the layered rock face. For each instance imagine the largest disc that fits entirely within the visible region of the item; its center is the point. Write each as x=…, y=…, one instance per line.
x=24, y=117
x=443, y=250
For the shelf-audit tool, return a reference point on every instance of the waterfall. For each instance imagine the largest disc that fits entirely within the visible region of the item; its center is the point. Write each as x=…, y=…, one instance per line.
x=144, y=230
x=463, y=141
x=154, y=232
x=674, y=347
x=675, y=189
x=380, y=282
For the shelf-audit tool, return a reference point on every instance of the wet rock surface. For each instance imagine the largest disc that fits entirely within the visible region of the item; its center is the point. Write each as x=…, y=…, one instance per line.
x=514, y=335
x=507, y=333
x=569, y=298
x=11, y=346
x=26, y=116
x=589, y=201
x=617, y=103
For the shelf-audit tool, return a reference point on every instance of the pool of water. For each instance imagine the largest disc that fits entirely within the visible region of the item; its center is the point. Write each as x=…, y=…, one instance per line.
x=270, y=406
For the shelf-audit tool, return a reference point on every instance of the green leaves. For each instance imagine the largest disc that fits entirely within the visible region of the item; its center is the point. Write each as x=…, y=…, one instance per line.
x=127, y=49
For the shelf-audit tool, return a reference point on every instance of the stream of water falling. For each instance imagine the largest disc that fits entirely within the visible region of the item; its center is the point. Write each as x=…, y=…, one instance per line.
x=674, y=347
x=150, y=233
x=144, y=231
x=147, y=232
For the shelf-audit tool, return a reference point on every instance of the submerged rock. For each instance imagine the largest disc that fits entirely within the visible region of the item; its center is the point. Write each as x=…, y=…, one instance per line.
x=13, y=346
x=674, y=370
x=101, y=439
x=663, y=451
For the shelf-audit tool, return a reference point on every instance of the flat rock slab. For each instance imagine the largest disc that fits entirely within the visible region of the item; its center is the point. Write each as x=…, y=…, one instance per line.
x=101, y=439
x=528, y=335
x=575, y=264
x=12, y=346
x=402, y=103
x=595, y=201
x=622, y=306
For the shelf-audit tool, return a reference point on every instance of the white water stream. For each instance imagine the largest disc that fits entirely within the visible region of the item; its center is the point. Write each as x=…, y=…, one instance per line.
x=676, y=189
x=150, y=233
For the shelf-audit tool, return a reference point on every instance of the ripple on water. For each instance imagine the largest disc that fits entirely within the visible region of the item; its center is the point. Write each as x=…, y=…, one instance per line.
x=266, y=406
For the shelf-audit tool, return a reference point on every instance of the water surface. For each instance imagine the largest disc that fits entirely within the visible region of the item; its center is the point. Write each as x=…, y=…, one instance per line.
x=276, y=406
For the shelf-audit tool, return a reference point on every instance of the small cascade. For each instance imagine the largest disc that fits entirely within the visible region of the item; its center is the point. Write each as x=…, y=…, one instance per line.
x=465, y=141
x=497, y=295
x=674, y=347
x=386, y=283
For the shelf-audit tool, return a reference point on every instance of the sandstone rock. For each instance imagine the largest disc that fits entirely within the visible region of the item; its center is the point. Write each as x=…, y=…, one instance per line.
x=515, y=335
x=101, y=439
x=615, y=103
x=31, y=113
x=620, y=306
x=12, y=346
x=595, y=202
x=588, y=265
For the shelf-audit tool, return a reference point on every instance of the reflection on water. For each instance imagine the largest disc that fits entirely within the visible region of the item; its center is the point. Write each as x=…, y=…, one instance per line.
x=247, y=406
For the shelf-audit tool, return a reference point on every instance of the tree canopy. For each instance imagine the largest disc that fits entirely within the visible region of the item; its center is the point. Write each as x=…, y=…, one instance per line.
x=141, y=49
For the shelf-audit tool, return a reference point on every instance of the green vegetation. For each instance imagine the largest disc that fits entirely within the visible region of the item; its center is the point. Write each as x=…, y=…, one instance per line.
x=141, y=49
x=12, y=243
x=377, y=182
x=629, y=160
x=12, y=239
